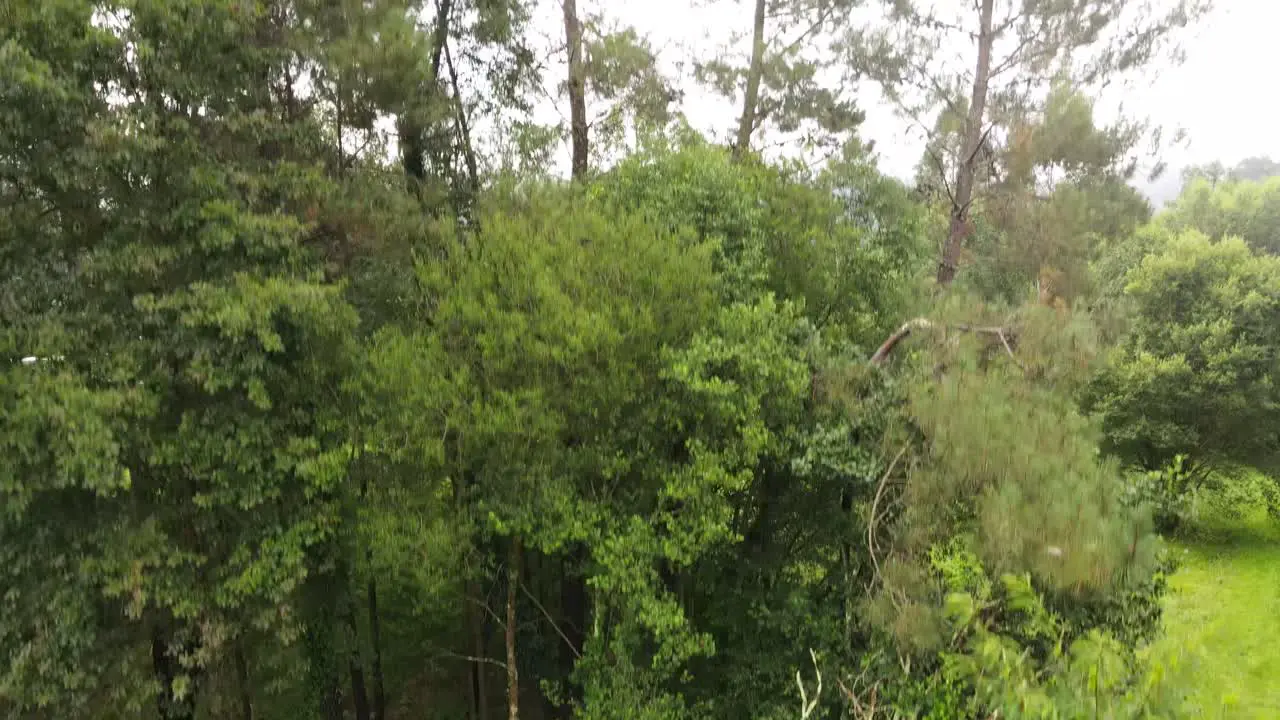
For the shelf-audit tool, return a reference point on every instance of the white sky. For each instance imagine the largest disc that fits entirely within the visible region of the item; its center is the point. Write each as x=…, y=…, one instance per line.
x=1221, y=96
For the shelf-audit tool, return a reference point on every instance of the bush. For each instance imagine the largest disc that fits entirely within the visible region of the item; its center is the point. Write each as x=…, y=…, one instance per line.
x=1167, y=491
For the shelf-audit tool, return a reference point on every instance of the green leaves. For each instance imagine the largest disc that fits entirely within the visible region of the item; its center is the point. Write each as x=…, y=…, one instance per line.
x=795, y=96
x=56, y=434
x=178, y=464
x=297, y=422
x=1196, y=371
x=1237, y=208
x=1013, y=653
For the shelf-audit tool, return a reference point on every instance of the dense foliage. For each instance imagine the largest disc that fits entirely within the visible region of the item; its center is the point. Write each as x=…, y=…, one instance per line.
x=303, y=417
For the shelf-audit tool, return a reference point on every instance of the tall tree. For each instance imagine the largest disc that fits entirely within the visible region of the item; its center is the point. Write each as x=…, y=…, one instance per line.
x=1255, y=168
x=190, y=264
x=617, y=94
x=1055, y=190
x=1018, y=47
x=789, y=81
x=472, y=67
x=751, y=95
x=577, y=87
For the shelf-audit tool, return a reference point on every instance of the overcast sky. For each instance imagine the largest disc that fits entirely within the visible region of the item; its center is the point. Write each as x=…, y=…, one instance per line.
x=1219, y=96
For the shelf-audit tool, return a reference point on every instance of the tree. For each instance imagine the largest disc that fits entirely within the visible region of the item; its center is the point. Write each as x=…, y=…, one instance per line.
x=631, y=100
x=988, y=547
x=782, y=83
x=1017, y=48
x=558, y=469
x=1232, y=208
x=287, y=433
x=189, y=243
x=1195, y=373
x=577, y=89
x=471, y=68
x=1213, y=172
x=1055, y=191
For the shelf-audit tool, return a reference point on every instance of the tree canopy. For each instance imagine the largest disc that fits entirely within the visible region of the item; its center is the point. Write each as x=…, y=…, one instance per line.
x=325, y=396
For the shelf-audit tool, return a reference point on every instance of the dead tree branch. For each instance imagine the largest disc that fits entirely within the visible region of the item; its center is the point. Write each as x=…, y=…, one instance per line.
x=554, y=625
x=807, y=706
x=875, y=503
x=907, y=328
x=1002, y=333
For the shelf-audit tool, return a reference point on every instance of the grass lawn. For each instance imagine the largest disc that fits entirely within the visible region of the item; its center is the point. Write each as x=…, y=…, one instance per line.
x=1225, y=604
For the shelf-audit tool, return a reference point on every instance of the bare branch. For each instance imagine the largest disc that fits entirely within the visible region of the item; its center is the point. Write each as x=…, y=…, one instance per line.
x=817, y=25
x=875, y=502
x=1004, y=341
x=1015, y=57
x=907, y=328
x=554, y=625
x=472, y=658
x=860, y=711
x=806, y=706
x=942, y=172
x=982, y=141
x=882, y=354
x=485, y=606
x=1008, y=23
x=937, y=87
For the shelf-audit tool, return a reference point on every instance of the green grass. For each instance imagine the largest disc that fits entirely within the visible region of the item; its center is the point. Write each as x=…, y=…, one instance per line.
x=1224, y=604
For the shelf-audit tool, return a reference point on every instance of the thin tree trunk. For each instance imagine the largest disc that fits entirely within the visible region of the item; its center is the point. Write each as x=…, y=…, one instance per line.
x=322, y=666
x=378, y=710
x=464, y=131
x=475, y=619
x=166, y=667
x=479, y=683
x=242, y=679
x=331, y=695
x=320, y=615
x=513, y=674
x=440, y=36
x=412, y=143
x=375, y=643
x=573, y=620
x=355, y=666
x=973, y=137
x=751, y=100
x=577, y=89
x=337, y=115
x=537, y=571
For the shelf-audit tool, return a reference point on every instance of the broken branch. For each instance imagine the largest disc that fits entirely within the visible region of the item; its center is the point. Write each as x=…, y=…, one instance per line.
x=882, y=354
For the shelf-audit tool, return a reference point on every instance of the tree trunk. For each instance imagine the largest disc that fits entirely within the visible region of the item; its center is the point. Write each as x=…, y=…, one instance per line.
x=747, y=121
x=538, y=580
x=331, y=696
x=475, y=618
x=242, y=679
x=412, y=141
x=973, y=137
x=355, y=666
x=375, y=643
x=167, y=667
x=464, y=135
x=577, y=89
x=325, y=677
x=479, y=683
x=513, y=674
x=321, y=615
x=573, y=620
